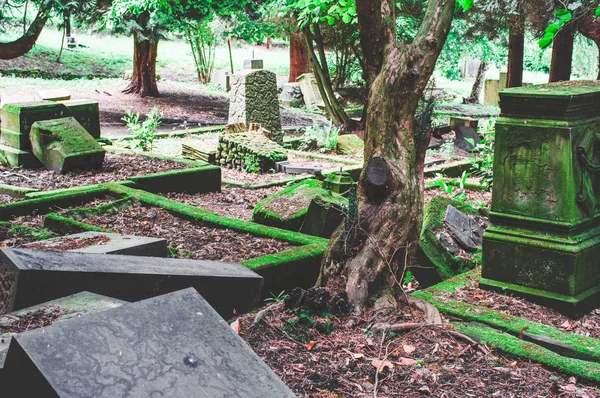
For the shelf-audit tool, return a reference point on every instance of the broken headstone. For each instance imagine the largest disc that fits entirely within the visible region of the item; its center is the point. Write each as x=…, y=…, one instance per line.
x=31, y=277
x=291, y=95
x=174, y=345
x=466, y=138
x=466, y=230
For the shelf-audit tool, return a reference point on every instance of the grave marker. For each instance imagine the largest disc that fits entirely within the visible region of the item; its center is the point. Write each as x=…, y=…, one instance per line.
x=174, y=345
x=310, y=91
x=31, y=276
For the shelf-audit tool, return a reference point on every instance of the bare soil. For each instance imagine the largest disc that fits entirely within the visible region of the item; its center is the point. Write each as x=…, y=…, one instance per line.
x=70, y=243
x=192, y=241
x=33, y=320
x=116, y=168
x=588, y=325
x=426, y=361
x=230, y=202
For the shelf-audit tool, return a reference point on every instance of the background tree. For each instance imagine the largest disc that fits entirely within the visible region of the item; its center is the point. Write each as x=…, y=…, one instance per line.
x=390, y=188
x=25, y=43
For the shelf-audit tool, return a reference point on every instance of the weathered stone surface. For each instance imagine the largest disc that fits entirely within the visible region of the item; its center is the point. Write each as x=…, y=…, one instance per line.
x=221, y=78
x=340, y=182
x=87, y=113
x=69, y=307
x=238, y=150
x=253, y=64
x=544, y=241
x=467, y=231
x=253, y=99
x=291, y=95
x=463, y=137
x=310, y=91
x=63, y=145
x=111, y=244
x=325, y=213
x=56, y=94
x=31, y=276
x=169, y=346
x=349, y=144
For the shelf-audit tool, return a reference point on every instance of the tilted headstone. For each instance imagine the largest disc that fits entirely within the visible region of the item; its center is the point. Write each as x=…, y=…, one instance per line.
x=63, y=145
x=105, y=243
x=87, y=113
x=544, y=241
x=310, y=90
x=254, y=99
x=291, y=95
x=54, y=311
x=33, y=276
x=174, y=345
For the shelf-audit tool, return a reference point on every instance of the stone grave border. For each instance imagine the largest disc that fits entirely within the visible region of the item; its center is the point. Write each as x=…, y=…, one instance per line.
x=567, y=352
x=295, y=267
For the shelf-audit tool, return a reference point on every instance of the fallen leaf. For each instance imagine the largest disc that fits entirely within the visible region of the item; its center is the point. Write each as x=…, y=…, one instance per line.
x=381, y=365
x=569, y=388
x=407, y=361
x=235, y=325
x=567, y=325
x=424, y=390
x=358, y=356
x=409, y=349
x=310, y=345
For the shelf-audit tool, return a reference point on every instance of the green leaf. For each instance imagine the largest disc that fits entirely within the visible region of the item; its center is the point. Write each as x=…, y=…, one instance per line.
x=346, y=18
x=546, y=40
x=553, y=28
x=598, y=11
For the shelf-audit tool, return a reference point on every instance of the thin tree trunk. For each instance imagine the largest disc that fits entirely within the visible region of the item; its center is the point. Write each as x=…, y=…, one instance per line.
x=62, y=44
x=143, y=81
x=230, y=55
x=516, y=50
x=299, y=60
x=25, y=43
x=562, y=54
x=478, y=84
x=25, y=17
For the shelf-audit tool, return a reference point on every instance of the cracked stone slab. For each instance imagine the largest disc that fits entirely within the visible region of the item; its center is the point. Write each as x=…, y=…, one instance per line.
x=70, y=307
x=30, y=276
x=114, y=244
x=174, y=345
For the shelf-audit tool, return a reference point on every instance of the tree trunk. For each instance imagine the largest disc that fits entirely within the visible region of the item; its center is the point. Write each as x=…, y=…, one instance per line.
x=299, y=61
x=516, y=49
x=589, y=27
x=390, y=188
x=478, y=84
x=25, y=43
x=562, y=54
x=143, y=80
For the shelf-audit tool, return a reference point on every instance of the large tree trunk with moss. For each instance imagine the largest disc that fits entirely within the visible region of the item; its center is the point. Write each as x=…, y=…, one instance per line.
x=25, y=43
x=390, y=189
x=143, y=80
x=516, y=50
x=589, y=27
x=299, y=61
x=562, y=54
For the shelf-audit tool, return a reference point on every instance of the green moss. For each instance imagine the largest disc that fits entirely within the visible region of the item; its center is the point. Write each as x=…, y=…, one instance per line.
x=277, y=183
x=515, y=346
x=313, y=251
x=66, y=226
x=17, y=192
x=205, y=217
x=27, y=232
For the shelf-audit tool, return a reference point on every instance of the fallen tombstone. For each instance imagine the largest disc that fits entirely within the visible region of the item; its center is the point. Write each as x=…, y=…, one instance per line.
x=49, y=313
x=466, y=138
x=253, y=99
x=291, y=95
x=324, y=214
x=174, y=345
x=31, y=276
x=56, y=94
x=310, y=91
x=288, y=168
x=87, y=113
x=105, y=243
x=249, y=151
x=466, y=230
x=63, y=145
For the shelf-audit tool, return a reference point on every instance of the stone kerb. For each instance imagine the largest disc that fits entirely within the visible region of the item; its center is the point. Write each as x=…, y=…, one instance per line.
x=254, y=99
x=544, y=241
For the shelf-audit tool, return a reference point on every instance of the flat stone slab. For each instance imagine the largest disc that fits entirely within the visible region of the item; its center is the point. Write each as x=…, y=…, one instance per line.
x=32, y=276
x=174, y=345
x=56, y=94
x=63, y=145
x=67, y=308
x=105, y=243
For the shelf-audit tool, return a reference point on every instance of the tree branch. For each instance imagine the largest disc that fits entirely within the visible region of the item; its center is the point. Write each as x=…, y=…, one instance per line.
x=25, y=43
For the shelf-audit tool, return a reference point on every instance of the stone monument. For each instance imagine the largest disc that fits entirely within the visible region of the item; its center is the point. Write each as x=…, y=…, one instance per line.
x=544, y=241
x=310, y=91
x=253, y=99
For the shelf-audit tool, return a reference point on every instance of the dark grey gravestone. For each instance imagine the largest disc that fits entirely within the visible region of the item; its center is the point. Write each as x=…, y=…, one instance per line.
x=172, y=346
x=31, y=277
x=69, y=307
x=466, y=230
x=116, y=244
x=462, y=134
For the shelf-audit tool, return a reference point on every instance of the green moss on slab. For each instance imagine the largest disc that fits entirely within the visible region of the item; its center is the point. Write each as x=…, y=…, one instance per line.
x=277, y=183
x=67, y=226
x=33, y=234
x=205, y=217
x=14, y=191
x=329, y=158
x=296, y=253
x=515, y=346
x=71, y=191
x=127, y=151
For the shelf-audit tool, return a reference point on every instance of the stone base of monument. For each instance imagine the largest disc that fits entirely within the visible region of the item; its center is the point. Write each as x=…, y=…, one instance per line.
x=106, y=243
x=29, y=277
x=53, y=311
x=174, y=345
x=544, y=242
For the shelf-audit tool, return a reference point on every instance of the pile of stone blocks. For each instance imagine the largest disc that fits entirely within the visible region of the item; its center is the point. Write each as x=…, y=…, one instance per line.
x=254, y=99
x=18, y=119
x=237, y=150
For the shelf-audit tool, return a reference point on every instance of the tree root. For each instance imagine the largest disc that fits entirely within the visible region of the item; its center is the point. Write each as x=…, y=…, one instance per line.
x=432, y=315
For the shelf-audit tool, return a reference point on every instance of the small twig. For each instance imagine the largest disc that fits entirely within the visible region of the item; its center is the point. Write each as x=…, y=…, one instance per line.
x=284, y=334
x=380, y=365
x=469, y=340
x=262, y=313
x=397, y=327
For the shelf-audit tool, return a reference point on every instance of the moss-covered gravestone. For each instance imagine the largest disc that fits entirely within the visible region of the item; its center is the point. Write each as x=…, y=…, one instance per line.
x=544, y=242
x=254, y=100
x=63, y=145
